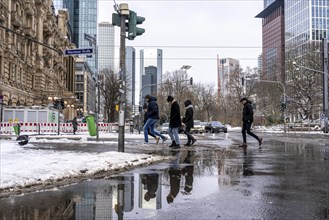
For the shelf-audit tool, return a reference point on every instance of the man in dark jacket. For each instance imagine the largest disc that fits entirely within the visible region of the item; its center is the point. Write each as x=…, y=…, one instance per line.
x=149, y=129
x=75, y=124
x=152, y=118
x=174, y=123
x=247, y=120
x=188, y=121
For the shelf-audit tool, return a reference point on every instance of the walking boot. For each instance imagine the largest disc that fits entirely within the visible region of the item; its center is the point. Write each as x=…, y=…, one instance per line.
x=172, y=144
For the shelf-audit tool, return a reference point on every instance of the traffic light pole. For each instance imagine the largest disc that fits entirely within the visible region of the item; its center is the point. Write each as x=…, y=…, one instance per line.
x=121, y=138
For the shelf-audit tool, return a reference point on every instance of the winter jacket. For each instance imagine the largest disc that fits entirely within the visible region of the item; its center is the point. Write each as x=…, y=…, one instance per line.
x=248, y=114
x=152, y=108
x=188, y=119
x=75, y=123
x=175, y=120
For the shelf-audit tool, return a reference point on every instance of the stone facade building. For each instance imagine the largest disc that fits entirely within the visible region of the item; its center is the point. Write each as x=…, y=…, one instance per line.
x=33, y=69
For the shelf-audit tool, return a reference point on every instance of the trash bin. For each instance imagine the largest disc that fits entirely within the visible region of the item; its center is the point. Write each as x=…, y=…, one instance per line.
x=91, y=125
x=17, y=128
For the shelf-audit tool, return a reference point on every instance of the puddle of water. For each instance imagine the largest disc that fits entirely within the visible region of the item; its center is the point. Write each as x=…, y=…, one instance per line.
x=141, y=193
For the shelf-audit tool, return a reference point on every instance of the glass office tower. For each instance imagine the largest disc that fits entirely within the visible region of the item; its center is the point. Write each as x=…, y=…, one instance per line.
x=151, y=58
x=305, y=21
x=105, y=46
x=83, y=20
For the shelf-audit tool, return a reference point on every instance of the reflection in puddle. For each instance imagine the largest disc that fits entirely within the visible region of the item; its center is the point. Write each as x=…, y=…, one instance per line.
x=142, y=192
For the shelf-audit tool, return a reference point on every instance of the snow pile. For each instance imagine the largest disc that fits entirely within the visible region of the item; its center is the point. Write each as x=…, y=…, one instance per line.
x=24, y=166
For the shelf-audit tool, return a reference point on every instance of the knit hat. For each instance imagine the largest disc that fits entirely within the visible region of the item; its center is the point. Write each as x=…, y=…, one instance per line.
x=148, y=96
x=243, y=99
x=170, y=98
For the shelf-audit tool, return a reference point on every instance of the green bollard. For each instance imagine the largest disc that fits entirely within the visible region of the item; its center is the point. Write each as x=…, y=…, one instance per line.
x=91, y=125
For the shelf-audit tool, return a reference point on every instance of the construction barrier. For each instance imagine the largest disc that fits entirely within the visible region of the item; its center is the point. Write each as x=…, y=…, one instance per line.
x=41, y=128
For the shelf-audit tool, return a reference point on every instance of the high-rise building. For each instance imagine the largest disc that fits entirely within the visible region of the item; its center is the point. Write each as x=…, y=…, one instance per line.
x=305, y=21
x=150, y=58
x=82, y=20
x=225, y=68
x=131, y=76
x=105, y=46
x=273, y=40
x=268, y=2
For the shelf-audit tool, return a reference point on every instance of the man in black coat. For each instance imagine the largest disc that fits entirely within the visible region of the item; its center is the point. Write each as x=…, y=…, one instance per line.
x=247, y=120
x=174, y=123
x=189, y=123
x=75, y=124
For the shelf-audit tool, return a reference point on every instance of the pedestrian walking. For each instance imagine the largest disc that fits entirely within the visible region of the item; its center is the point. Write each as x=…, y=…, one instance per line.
x=75, y=124
x=174, y=122
x=247, y=120
x=174, y=179
x=152, y=118
x=189, y=123
x=149, y=129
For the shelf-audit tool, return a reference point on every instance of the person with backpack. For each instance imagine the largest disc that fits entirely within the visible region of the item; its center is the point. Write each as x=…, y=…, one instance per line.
x=189, y=122
x=247, y=120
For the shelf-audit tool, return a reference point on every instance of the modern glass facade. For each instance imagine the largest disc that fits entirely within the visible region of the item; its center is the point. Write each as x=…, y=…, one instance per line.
x=105, y=46
x=131, y=75
x=151, y=58
x=306, y=20
x=268, y=2
x=83, y=20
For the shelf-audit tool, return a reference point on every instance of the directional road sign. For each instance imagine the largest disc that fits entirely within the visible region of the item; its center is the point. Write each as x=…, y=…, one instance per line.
x=78, y=51
x=90, y=38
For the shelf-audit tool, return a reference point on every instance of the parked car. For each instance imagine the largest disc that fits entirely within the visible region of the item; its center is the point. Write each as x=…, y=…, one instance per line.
x=197, y=127
x=164, y=128
x=203, y=125
x=215, y=127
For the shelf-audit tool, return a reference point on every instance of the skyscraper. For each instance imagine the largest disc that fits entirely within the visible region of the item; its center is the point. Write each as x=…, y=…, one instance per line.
x=305, y=21
x=105, y=46
x=131, y=76
x=83, y=20
x=273, y=40
x=225, y=68
x=150, y=58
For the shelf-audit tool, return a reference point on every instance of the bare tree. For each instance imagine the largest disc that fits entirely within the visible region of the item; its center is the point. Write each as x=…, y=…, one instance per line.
x=175, y=84
x=304, y=88
x=205, y=102
x=109, y=89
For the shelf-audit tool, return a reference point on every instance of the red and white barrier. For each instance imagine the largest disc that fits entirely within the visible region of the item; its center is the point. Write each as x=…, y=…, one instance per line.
x=43, y=127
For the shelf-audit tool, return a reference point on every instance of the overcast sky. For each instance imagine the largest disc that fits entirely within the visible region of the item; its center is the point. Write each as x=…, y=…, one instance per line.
x=195, y=32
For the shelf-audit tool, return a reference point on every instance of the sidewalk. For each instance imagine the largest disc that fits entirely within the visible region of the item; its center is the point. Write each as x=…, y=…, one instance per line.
x=29, y=166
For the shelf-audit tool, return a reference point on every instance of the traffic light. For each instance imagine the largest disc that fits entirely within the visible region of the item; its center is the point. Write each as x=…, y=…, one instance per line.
x=116, y=20
x=133, y=30
x=242, y=81
x=191, y=81
x=55, y=104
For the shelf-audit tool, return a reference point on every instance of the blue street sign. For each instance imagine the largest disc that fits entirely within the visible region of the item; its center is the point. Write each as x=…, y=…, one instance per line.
x=78, y=51
x=90, y=38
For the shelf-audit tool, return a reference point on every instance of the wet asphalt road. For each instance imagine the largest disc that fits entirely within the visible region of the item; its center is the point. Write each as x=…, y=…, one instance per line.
x=286, y=179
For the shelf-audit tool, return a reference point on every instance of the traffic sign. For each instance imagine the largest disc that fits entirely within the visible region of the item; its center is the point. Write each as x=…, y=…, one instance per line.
x=90, y=38
x=78, y=51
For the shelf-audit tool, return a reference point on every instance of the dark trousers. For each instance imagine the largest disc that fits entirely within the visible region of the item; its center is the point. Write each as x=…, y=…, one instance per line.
x=246, y=128
x=188, y=134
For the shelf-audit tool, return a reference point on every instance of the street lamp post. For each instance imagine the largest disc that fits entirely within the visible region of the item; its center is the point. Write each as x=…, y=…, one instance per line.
x=325, y=81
